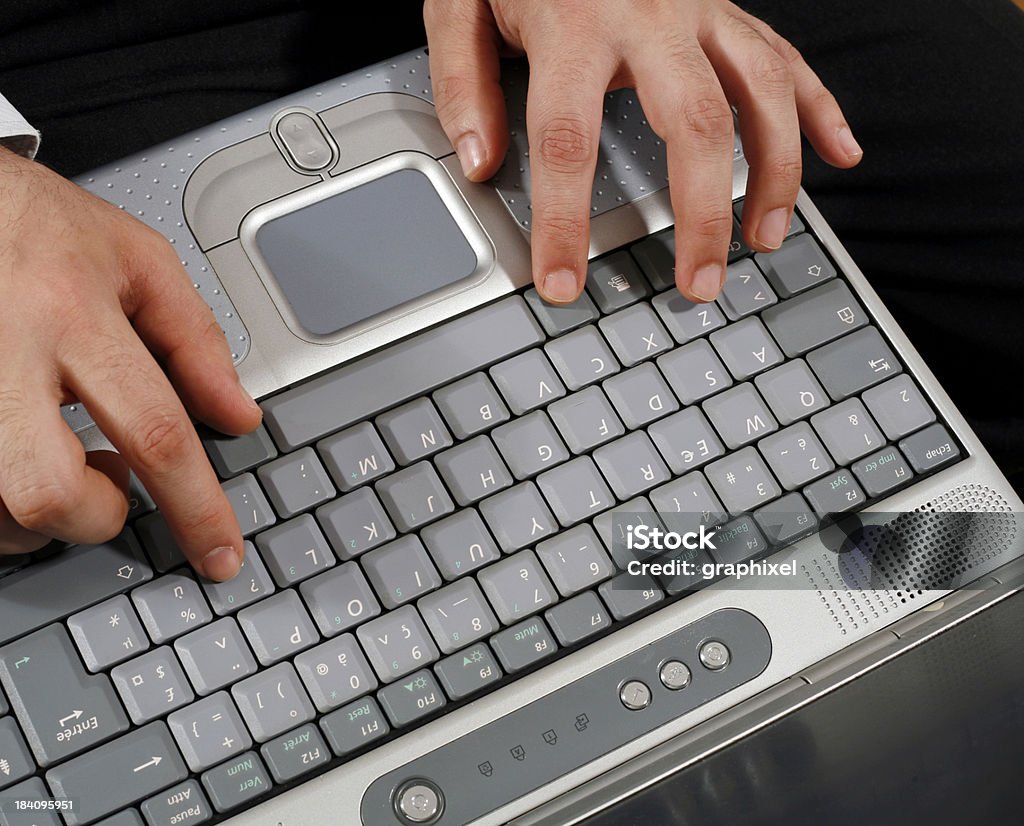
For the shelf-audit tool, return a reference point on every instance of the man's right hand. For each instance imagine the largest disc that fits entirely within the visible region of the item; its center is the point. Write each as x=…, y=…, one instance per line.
x=94, y=304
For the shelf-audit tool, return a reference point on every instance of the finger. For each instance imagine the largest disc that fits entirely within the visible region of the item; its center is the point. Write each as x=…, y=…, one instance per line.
x=15, y=539
x=465, y=73
x=686, y=106
x=759, y=82
x=134, y=405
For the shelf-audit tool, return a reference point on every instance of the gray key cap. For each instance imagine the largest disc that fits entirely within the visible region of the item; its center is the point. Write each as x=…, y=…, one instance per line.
x=524, y=644
x=236, y=782
x=740, y=415
x=686, y=504
x=273, y=701
x=586, y=419
x=209, y=730
x=786, y=520
x=796, y=456
x=397, y=643
x=108, y=633
x=29, y=790
x=335, y=672
x=402, y=371
x=156, y=538
x=215, y=656
x=615, y=282
x=792, y=391
x=62, y=709
x=17, y=759
x=745, y=290
x=139, y=500
x=899, y=407
x=296, y=482
x=251, y=507
x=738, y=541
x=743, y=481
x=182, y=804
x=848, y=431
x=640, y=396
x=631, y=465
x=627, y=595
x=656, y=256
x=686, y=440
x=518, y=517
x=295, y=550
x=575, y=560
x=469, y=671
x=67, y=582
x=152, y=685
x=118, y=773
x=578, y=618
x=636, y=334
x=355, y=523
x=575, y=491
x=694, y=372
x=129, y=817
x=527, y=381
x=854, y=363
x=296, y=753
x=746, y=348
x=817, y=317
x=797, y=265
x=355, y=456
x=517, y=587
x=473, y=470
x=354, y=726
x=459, y=543
x=471, y=406
x=836, y=493
x=414, y=431
x=251, y=583
x=458, y=615
x=277, y=627
x=930, y=448
x=340, y=599
x=231, y=455
x=401, y=571
x=882, y=472
x=613, y=526
x=415, y=496
x=684, y=319
x=171, y=606
x=582, y=358
x=530, y=444
x=560, y=318
x=414, y=697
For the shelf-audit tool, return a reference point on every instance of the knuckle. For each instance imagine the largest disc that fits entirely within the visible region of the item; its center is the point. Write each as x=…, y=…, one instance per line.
x=712, y=225
x=822, y=99
x=786, y=168
x=40, y=504
x=565, y=144
x=787, y=51
x=160, y=438
x=563, y=228
x=708, y=120
x=771, y=74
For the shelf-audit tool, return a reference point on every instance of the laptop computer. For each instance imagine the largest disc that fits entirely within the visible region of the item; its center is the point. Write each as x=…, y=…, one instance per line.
x=448, y=613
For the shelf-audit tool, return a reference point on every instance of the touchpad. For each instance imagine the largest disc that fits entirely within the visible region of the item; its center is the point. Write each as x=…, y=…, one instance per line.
x=358, y=251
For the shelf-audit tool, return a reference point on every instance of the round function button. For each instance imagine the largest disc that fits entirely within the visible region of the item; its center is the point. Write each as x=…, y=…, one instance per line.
x=635, y=695
x=419, y=801
x=674, y=675
x=714, y=655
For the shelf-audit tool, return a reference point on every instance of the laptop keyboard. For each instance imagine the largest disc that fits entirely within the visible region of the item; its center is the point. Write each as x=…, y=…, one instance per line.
x=438, y=518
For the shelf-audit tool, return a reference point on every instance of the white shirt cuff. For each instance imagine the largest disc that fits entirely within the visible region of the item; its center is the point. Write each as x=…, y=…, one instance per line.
x=15, y=132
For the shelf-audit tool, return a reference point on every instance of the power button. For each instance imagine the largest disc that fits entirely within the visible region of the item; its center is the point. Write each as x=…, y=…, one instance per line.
x=418, y=802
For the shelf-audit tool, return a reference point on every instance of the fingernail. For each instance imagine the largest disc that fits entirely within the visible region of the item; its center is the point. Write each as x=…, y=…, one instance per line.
x=848, y=142
x=470, y=150
x=560, y=286
x=221, y=564
x=707, y=282
x=771, y=232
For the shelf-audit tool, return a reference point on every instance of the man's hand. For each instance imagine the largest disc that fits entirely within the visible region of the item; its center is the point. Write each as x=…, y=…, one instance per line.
x=688, y=60
x=94, y=302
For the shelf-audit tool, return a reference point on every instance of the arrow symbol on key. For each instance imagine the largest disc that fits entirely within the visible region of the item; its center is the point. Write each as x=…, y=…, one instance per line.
x=74, y=715
x=19, y=663
x=155, y=761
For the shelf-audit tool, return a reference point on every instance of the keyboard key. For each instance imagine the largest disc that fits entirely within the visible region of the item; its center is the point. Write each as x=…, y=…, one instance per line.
x=656, y=256
x=687, y=503
x=139, y=500
x=469, y=671
x=471, y=406
x=615, y=282
x=640, y=396
x=171, y=606
x=473, y=470
x=740, y=415
x=415, y=496
x=738, y=541
x=561, y=318
x=215, y=656
x=530, y=444
x=586, y=419
x=457, y=615
x=295, y=550
x=792, y=391
x=118, y=773
x=277, y=627
x=517, y=587
x=578, y=618
x=743, y=481
x=575, y=560
x=582, y=358
x=355, y=523
x=236, y=782
x=786, y=520
x=108, y=633
x=815, y=318
x=397, y=643
x=296, y=753
x=184, y=803
x=882, y=472
x=684, y=319
x=797, y=265
x=414, y=697
x=402, y=371
x=686, y=440
x=152, y=685
x=31, y=790
x=694, y=372
x=899, y=407
x=745, y=290
x=631, y=465
x=17, y=759
x=250, y=584
x=128, y=817
x=575, y=491
x=62, y=709
x=524, y=644
x=273, y=701
x=355, y=456
x=414, y=431
x=746, y=348
x=527, y=381
x=335, y=672
x=518, y=517
x=356, y=725
x=836, y=493
x=636, y=334
x=854, y=363
x=627, y=595
x=796, y=456
x=340, y=599
x=459, y=543
x=848, y=431
x=401, y=571
x=156, y=538
x=231, y=455
x=209, y=730
x=930, y=448
x=296, y=482
x=612, y=527
x=251, y=507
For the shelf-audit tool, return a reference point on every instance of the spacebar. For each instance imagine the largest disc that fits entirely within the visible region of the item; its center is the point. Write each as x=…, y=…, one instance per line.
x=400, y=372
